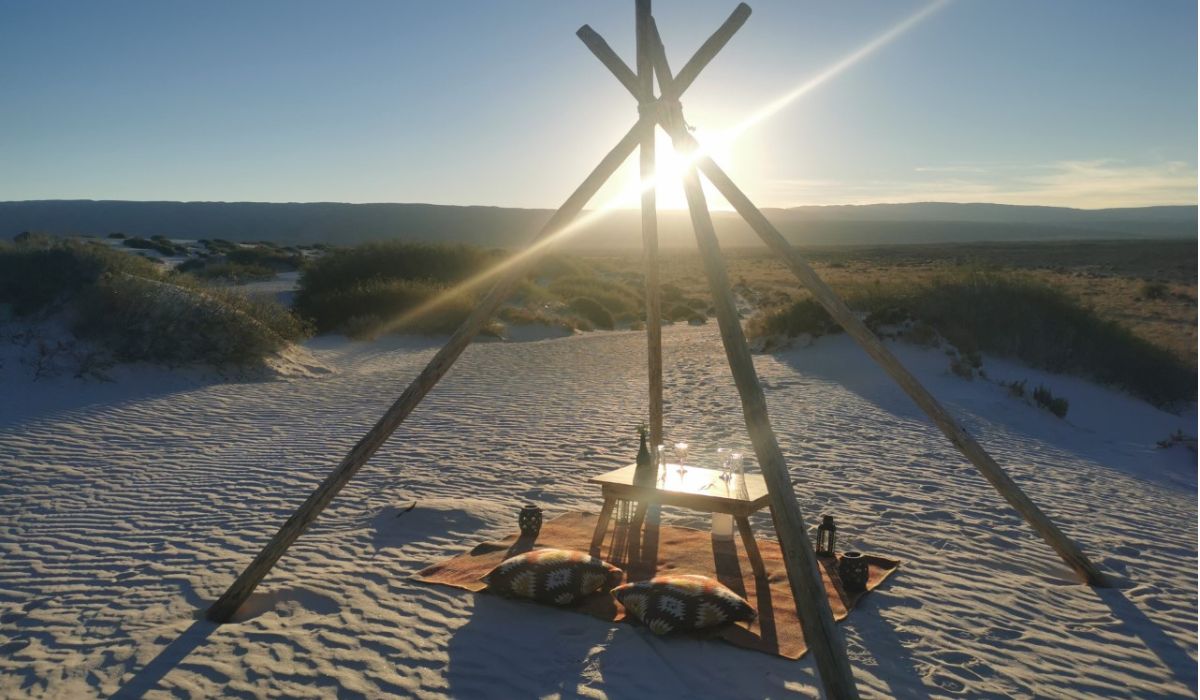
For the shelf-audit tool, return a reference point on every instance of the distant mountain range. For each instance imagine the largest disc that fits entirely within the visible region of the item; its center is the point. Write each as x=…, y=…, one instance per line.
x=339, y=223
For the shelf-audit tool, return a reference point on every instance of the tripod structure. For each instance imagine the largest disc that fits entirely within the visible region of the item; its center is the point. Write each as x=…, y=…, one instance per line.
x=820, y=631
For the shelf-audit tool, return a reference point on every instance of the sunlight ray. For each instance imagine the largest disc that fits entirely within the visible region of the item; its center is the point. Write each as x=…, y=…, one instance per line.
x=715, y=143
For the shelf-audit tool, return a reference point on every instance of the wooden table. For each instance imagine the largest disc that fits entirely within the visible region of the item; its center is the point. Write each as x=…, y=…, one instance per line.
x=698, y=489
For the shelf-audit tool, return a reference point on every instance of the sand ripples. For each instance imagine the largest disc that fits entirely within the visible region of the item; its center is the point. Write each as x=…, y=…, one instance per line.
x=120, y=520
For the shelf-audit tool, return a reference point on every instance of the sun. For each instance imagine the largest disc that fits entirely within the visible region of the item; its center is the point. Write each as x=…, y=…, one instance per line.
x=670, y=167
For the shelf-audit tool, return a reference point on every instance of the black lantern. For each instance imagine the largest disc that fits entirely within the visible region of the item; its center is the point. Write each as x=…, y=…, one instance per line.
x=530, y=521
x=826, y=537
x=854, y=571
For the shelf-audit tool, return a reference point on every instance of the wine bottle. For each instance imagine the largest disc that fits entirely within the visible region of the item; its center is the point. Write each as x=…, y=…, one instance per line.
x=646, y=471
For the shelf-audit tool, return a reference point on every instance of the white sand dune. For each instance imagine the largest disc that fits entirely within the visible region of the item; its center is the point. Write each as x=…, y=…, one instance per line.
x=127, y=507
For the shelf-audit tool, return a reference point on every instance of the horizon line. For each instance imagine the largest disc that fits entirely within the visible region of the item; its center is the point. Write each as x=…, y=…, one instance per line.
x=629, y=209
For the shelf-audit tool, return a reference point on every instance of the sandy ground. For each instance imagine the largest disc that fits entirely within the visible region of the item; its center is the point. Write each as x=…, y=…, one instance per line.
x=126, y=507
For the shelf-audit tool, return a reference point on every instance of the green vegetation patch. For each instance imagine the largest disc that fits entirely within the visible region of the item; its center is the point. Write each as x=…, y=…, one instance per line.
x=389, y=287
x=617, y=298
x=157, y=243
x=593, y=311
x=1009, y=315
x=136, y=311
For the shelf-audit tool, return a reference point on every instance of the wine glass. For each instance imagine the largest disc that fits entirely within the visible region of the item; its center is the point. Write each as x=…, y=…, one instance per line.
x=735, y=465
x=681, y=452
x=737, y=475
x=723, y=454
x=661, y=456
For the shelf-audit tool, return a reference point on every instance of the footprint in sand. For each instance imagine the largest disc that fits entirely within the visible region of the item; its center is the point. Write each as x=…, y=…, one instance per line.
x=947, y=683
x=1003, y=634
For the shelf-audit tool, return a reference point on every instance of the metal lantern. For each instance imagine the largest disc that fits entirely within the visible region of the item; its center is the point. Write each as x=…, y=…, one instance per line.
x=853, y=571
x=530, y=521
x=826, y=537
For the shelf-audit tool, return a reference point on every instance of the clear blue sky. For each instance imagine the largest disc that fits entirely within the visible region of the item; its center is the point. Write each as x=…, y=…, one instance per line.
x=1085, y=103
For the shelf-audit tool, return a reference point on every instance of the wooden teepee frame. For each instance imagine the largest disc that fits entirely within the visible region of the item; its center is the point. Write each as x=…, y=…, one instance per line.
x=820, y=632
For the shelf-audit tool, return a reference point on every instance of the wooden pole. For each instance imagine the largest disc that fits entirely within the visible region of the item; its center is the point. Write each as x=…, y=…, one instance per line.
x=645, y=75
x=972, y=450
x=240, y=590
x=691, y=70
x=820, y=631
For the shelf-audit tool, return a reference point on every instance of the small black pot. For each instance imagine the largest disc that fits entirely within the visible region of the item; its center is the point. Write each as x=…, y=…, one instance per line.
x=853, y=570
x=530, y=520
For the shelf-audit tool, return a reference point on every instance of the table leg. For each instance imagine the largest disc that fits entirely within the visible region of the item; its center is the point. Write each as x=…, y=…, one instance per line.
x=752, y=553
x=602, y=525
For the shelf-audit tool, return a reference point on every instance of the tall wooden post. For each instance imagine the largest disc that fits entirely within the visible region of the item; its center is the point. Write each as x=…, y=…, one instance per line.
x=645, y=77
x=804, y=575
x=1066, y=548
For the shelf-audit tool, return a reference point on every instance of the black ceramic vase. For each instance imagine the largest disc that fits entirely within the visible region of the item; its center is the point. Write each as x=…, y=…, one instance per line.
x=530, y=521
x=852, y=568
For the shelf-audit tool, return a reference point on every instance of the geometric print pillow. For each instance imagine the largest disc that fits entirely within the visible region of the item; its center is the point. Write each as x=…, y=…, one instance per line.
x=554, y=576
x=682, y=602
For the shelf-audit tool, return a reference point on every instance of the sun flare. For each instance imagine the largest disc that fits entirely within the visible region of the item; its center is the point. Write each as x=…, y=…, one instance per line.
x=671, y=165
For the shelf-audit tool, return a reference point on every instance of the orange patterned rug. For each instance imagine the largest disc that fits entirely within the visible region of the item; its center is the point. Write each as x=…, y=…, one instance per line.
x=678, y=550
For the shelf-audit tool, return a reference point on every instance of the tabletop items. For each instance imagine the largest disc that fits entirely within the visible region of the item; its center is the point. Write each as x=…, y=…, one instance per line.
x=647, y=471
x=826, y=537
x=852, y=566
x=853, y=570
x=731, y=461
x=530, y=520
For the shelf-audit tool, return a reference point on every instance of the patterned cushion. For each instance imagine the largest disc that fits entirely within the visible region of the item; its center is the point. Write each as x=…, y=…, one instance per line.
x=555, y=576
x=682, y=602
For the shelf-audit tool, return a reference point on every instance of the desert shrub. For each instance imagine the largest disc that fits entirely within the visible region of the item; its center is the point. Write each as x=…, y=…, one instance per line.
x=377, y=306
x=1015, y=389
x=804, y=316
x=272, y=258
x=683, y=312
x=614, y=296
x=139, y=318
x=670, y=293
x=552, y=266
x=961, y=369
x=393, y=260
x=593, y=311
x=136, y=311
x=441, y=317
x=922, y=334
x=578, y=323
x=231, y=271
x=1155, y=290
x=116, y=234
x=1011, y=315
x=374, y=298
x=218, y=245
x=158, y=243
x=1047, y=400
x=1177, y=438
x=192, y=264
x=381, y=285
x=42, y=272
x=887, y=316
x=519, y=316
x=625, y=319
x=532, y=294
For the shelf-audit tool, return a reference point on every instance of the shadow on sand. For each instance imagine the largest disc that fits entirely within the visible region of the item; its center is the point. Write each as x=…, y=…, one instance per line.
x=148, y=677
x=511, y=648
x=1137, y=624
